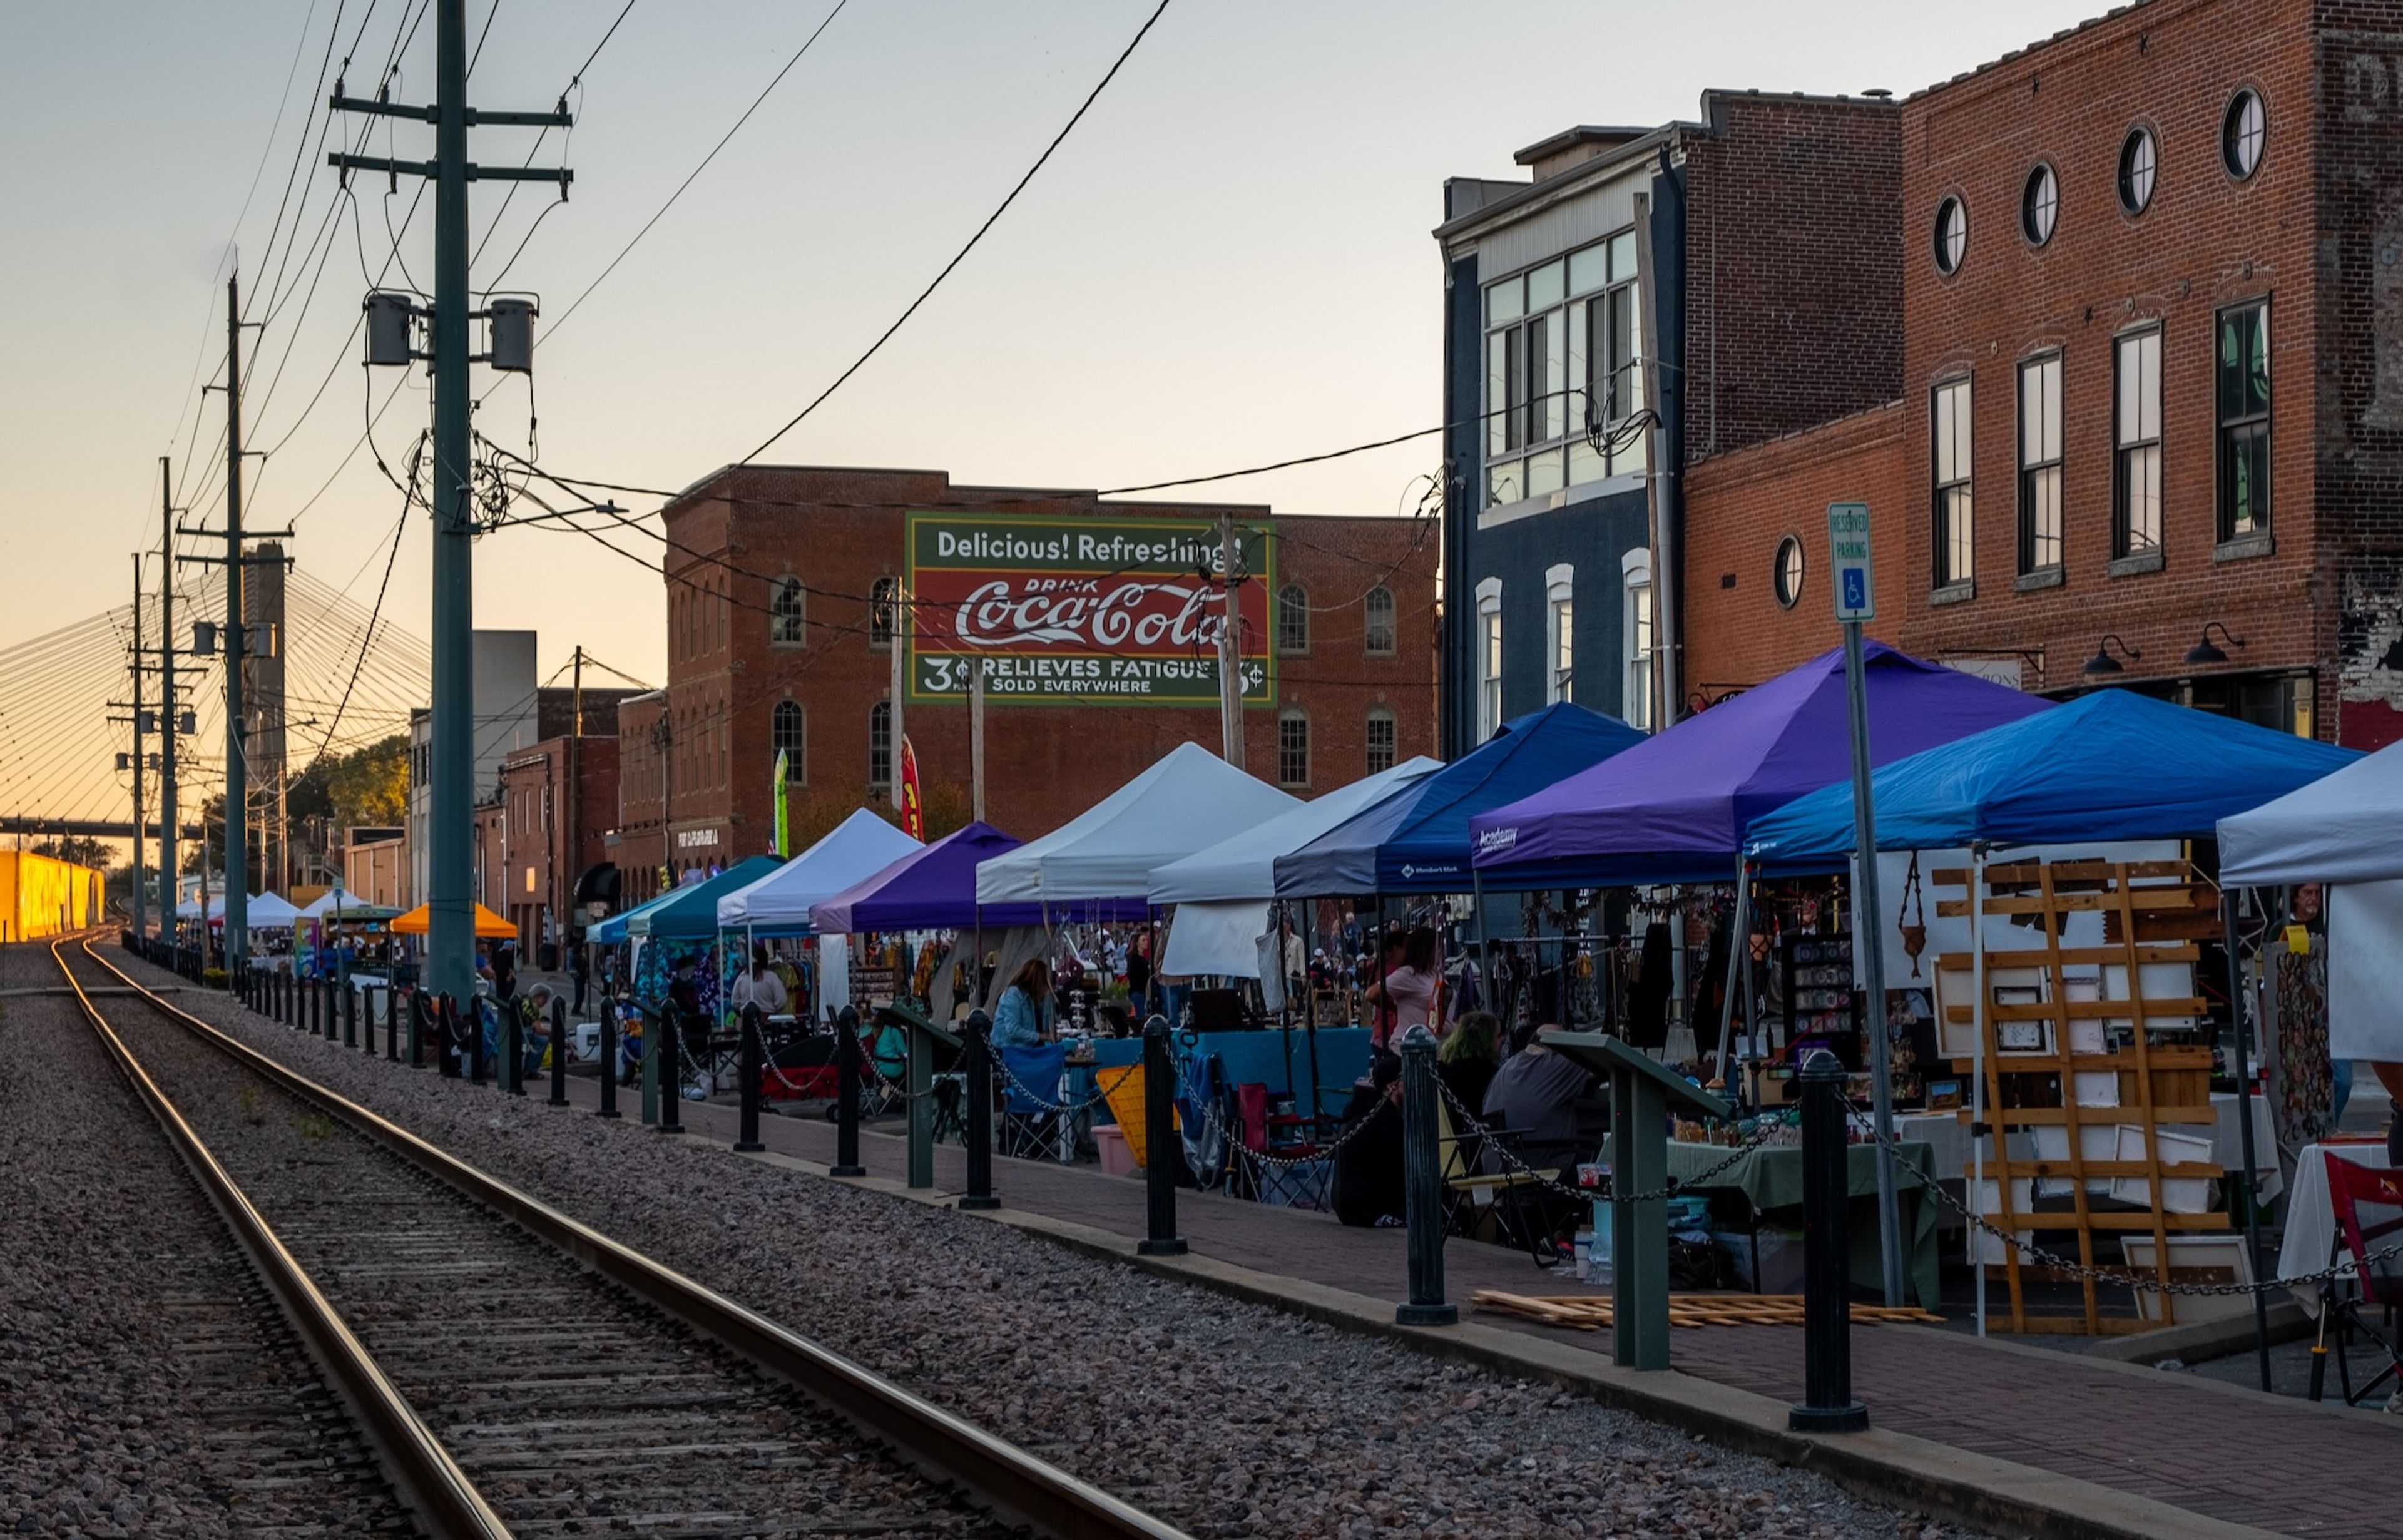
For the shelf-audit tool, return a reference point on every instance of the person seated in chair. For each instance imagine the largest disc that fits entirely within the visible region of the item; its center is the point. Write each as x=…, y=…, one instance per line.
x=1367, y=1189
x=1019, y=1020
x=1534, y=1095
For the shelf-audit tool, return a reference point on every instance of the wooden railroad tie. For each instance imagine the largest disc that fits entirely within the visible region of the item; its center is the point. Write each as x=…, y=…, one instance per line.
x=1593, y=1311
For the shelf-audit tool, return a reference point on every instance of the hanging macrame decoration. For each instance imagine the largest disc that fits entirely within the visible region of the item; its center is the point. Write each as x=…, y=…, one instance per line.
x=1912, y=911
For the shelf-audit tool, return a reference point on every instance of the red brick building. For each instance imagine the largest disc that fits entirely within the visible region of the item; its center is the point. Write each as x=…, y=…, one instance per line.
x=2152, y=380
x=789, y=588
x=545, y=833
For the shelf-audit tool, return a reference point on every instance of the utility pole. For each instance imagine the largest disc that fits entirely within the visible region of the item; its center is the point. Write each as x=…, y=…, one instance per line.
x=141, y=906
x=1231, y=670
x=450, y=940
x=900, y=632
x=237, y=780
x=976, y=739
x=168, y=705
x=575, y=863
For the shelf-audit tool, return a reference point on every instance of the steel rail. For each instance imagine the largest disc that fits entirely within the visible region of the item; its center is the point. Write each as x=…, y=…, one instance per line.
x=1018, y=1487
x=426, y=1478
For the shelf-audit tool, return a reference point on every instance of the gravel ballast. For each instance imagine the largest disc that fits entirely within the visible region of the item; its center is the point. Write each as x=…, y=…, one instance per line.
x=1224, y=1417
x=148, y=1386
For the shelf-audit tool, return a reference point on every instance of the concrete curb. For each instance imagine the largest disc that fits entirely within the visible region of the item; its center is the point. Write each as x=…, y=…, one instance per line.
x=1886, y=1466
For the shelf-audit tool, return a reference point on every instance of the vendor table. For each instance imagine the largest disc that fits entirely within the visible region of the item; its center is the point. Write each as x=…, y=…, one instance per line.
x=2311, y=1219
x=1770, y=1178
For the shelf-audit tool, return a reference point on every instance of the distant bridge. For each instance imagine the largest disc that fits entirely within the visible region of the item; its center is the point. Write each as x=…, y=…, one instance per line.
x=88, y=828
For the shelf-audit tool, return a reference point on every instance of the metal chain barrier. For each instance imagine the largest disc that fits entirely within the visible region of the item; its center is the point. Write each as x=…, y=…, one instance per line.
x=1001, y=1067
x=2085, y=1271
x=868, y=1063
x=1476, y=1127
x=1213, y=1122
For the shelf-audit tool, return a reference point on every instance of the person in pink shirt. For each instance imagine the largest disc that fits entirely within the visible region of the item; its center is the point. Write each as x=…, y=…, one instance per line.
x=1408, y=996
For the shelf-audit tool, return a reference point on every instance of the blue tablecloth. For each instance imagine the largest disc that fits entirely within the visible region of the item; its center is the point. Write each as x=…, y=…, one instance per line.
x=1258, y=1058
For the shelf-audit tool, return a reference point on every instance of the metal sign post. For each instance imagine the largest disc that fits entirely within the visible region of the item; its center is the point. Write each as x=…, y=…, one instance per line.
x=1848, y=552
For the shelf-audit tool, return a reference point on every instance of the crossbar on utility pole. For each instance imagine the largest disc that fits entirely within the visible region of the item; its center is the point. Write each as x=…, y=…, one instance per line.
x=451, y=832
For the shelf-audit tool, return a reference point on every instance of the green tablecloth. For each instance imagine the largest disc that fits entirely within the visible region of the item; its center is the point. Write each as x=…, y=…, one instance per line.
x=1770, y=1179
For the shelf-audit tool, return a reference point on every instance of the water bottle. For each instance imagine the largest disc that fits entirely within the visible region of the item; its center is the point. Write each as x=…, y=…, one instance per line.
x=1584, y=1253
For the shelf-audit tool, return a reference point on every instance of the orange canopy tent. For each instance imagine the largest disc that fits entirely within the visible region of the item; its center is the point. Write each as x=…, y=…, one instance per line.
x=419, y=920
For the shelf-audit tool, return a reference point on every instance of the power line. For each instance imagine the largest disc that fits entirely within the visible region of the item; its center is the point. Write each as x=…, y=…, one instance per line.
x=798, y=54
x=927, y=293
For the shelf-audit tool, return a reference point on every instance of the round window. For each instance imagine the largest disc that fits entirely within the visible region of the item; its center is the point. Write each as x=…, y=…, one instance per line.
x=2039, y=204
x=1952, y=235
x=2138, y=157
x=2241, y=134
x=1787, y=579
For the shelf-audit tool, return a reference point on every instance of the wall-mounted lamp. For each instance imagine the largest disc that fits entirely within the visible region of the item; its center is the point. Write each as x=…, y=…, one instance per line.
x=2203, y=653
x=2103, y=664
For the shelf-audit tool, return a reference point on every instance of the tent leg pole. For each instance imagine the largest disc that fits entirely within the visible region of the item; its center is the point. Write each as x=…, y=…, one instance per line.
x=1736, y=957
x=1977, y=1074
x=2244, y=1128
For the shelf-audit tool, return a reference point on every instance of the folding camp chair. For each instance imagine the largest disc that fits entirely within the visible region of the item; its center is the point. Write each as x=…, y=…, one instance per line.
x=2369, y=1204
x=1507, y=1195
x=1031, y=1127
x=1204, y=1113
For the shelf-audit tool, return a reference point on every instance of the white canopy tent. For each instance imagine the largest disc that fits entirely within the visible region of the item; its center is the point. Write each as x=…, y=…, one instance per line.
x=1187, y=802
x=323, y=904
x=1222, y=892
x=269, y=912
x=859, y=847
x=2344, y=830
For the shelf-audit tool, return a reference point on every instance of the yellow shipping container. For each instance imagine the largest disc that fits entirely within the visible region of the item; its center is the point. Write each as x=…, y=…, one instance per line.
x=40, y=896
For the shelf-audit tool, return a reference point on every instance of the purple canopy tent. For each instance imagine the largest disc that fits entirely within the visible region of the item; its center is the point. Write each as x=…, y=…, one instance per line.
x=1675, y=808
x=931, y=888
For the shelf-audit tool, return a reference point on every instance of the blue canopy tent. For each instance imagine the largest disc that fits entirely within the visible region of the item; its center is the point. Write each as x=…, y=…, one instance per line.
x=612, y=932
x=1417, y=840
x=690, y=912
x=2114, y=765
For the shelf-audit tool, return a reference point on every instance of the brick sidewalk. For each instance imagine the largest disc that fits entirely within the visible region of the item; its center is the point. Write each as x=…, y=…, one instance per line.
x=2280, y=1464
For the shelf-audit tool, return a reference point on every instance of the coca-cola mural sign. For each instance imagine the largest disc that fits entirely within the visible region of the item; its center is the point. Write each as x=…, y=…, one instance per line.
x=1067, y=610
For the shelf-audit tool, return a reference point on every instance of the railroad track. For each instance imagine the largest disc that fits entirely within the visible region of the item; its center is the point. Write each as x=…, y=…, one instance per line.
x=518, y=1373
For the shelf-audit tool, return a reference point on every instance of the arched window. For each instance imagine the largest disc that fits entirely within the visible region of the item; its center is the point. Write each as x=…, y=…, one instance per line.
x=788, y=735
x=1377, y=625
x=1293, y=748
x=1292, y=619
x=881, y=599
x=879, y=744
x=785, y=615
x=1381, y=739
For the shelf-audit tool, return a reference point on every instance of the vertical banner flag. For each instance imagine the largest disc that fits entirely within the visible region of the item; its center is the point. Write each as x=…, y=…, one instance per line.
x=778, y=784
x=913, y=811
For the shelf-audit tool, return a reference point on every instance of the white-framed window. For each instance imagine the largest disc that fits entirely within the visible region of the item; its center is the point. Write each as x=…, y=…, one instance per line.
x=785, y=624
x=1381, y=739
x=1489, y=658
x=1292, y=619
x=2241, y=133
x=1377, y=628
x=1293, y=748
x=1562, y=367
x=1559, y=630
x=1949, y=412
x=2040, y=463
x=2241, y=381
x=2136, y=442
x=1635, y=696
x=880, y=745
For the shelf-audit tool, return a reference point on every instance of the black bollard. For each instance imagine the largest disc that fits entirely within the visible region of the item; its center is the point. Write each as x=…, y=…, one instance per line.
x=559, y=1052
x=1827, y=1405
x=1423, y=1186
x=472, y=1029
x=351, y=1017
x=330, y=1002
x=608, y=1052
x=980, y=1089
x=669, y=1025
x=1161, y=1156
x=847, y=1088
x=318, y=1021
x=512, y=1047
x=753, y=1024
x=416, y=1012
